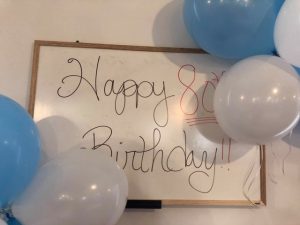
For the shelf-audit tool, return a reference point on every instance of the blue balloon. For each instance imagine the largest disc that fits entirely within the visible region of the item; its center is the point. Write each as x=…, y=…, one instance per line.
x=19, y=150
x=297, y=69
x=13, y=221
x=232, y=29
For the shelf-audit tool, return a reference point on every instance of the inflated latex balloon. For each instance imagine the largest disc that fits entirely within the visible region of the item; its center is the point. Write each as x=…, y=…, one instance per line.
x=79, y=187
x=19, y=150
x=258, y=100
x=13, y=221
x=298, y=70
x=232, y=29
x=287, y=32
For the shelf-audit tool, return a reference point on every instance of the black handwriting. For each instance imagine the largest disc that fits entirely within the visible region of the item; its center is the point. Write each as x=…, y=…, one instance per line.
x=129, y=88
x=159, y=158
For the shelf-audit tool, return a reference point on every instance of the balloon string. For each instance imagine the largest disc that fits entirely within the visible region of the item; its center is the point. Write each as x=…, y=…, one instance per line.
x=284, y=158
x=246, y=188
x=276, y=159
x=288, y=153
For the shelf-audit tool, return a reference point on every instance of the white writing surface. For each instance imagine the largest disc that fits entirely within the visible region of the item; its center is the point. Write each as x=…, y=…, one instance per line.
x=152, y=112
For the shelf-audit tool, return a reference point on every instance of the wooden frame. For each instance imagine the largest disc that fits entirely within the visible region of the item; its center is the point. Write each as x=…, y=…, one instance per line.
x=35, y=68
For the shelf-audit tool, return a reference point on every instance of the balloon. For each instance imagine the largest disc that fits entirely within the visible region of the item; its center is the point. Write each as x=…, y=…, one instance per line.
x=13, y=221
x=287, y=32
x=79, y=187
x=298, y=70
x=258, y=100
x=2, y=222
x=19, y=150
x=232, y=29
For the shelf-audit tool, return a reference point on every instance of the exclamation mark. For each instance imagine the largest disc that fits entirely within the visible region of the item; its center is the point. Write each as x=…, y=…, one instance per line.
x=229, y=150
x=222, y=148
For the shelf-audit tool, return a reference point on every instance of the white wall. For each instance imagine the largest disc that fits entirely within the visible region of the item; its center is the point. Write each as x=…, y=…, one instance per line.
x=135, y=22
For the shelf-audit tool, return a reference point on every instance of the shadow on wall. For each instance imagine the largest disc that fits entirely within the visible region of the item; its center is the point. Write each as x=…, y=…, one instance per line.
x=169, y=28
x=169, y=31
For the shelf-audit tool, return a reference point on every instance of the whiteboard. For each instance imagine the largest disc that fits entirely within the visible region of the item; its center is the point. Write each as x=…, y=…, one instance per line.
x=150, y=109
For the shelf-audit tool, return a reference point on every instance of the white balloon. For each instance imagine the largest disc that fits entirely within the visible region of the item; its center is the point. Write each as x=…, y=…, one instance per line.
x=258, y=100
x=2, y=222
x=287, y=32
x=79, y=187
